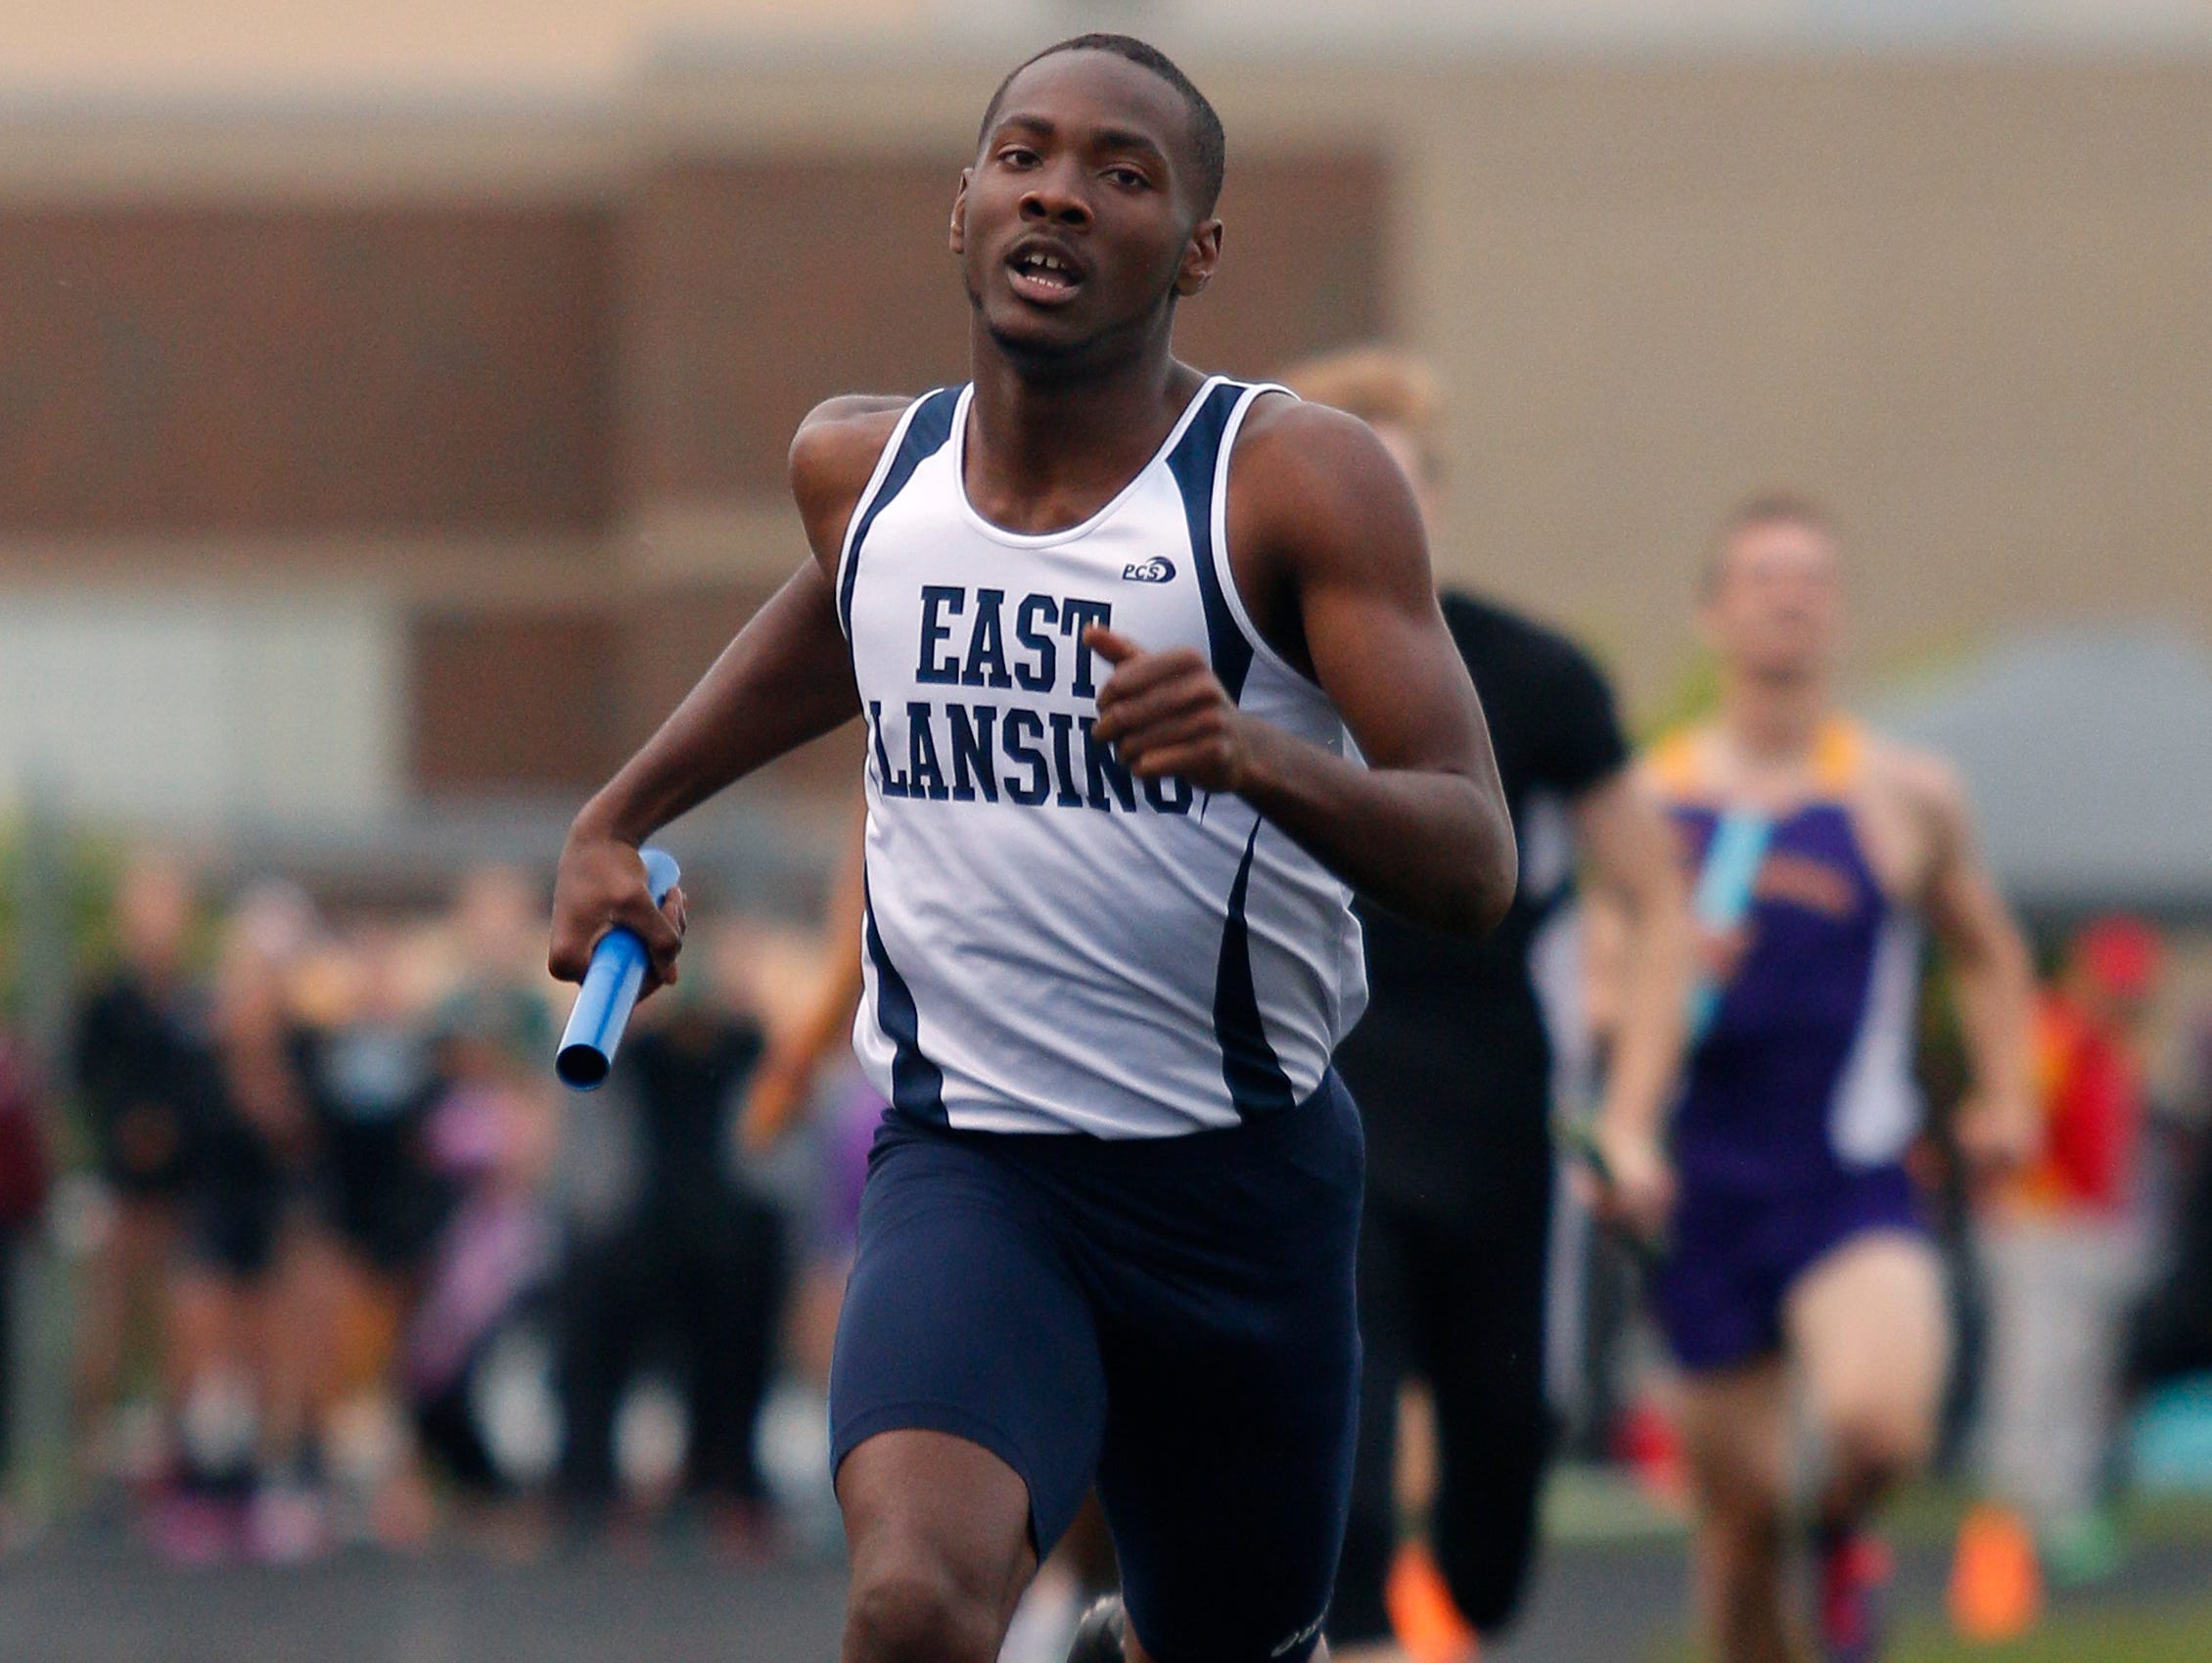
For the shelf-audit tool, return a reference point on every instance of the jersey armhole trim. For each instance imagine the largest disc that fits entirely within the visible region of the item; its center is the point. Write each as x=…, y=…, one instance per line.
x=866, y=499
x=1839, y=756
x=1218, y=533
x=1676, y=766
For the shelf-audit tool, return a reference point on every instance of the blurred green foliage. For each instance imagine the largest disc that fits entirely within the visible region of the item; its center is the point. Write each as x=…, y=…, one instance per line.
x=89, y=866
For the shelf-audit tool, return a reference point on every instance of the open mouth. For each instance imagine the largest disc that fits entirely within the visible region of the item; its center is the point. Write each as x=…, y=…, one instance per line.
x=1042, y=277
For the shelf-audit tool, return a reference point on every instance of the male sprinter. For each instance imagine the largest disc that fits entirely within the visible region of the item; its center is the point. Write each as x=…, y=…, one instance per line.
x=1452, y=1067
x=1818, y=851
x=1154, y=681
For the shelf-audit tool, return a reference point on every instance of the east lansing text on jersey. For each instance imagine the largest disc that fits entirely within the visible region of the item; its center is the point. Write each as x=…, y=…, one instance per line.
x=991, y=748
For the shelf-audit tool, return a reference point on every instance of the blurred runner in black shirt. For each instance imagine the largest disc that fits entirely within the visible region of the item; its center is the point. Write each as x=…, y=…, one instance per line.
x=1453, y=1070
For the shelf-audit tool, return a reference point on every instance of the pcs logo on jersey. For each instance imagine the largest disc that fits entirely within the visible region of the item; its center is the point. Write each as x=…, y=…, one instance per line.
x=1157, y=569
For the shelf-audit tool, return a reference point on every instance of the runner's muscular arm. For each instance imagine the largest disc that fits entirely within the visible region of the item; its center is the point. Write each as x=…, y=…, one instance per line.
x=1992, y=973
x=1635, y=869
x=1339, y=566
x=785, y=680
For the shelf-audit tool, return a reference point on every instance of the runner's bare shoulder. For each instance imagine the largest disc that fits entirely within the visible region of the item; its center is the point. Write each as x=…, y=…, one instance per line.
x=833, y=455
x=1928, y=784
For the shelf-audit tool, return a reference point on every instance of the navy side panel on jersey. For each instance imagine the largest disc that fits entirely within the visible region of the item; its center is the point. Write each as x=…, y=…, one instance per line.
x=921, y=434
x=1195, y=462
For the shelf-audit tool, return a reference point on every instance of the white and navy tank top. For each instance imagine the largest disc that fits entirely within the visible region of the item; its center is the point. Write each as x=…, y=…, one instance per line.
x=1051, y=944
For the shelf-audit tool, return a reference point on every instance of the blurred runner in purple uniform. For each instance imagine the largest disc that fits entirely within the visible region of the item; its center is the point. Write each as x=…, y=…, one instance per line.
x=1819, y=854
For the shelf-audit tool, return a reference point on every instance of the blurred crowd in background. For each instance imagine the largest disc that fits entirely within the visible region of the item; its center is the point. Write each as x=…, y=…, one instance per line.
x=344, y=1264
x=341, y=1265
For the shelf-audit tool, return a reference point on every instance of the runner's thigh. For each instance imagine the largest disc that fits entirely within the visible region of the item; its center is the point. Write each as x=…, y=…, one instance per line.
x=1869, y=1330
x=1233, y=1359
x=962, y=1318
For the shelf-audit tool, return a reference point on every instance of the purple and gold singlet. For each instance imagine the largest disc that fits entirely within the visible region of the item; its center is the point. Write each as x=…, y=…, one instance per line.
x=1799, y=1100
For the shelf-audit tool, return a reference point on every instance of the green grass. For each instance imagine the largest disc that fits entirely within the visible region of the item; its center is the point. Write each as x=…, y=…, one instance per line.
x=2172, y=1634
x=1930, y=1512
x=2106, y=1624
x=1585, y=1505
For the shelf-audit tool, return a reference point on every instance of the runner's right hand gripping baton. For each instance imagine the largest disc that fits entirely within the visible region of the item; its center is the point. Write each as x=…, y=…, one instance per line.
x=610, y=989
x=1580, y=1142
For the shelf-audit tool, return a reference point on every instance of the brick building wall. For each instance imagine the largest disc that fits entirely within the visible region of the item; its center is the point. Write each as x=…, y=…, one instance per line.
x=500, y=393
x=305, y=368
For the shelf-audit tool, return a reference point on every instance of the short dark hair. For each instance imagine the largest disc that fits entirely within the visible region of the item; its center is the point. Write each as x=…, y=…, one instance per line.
x=1209, y=144
x=1784, y=507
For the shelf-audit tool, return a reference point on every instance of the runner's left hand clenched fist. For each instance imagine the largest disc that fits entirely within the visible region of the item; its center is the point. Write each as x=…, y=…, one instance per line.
x=1168, y=714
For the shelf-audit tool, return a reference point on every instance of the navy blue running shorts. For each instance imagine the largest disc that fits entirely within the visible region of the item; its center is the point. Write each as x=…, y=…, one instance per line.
x=1170, y=1317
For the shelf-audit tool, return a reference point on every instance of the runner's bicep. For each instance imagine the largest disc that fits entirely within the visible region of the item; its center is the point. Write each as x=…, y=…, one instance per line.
x=1964, y=907
x=1347, y=532
x=1392, y=670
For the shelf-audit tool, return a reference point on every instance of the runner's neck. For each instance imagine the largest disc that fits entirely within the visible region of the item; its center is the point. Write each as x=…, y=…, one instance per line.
x=1772, y=730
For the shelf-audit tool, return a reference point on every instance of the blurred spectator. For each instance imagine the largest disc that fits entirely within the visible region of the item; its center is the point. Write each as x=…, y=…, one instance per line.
x=23, y=1175
x=135, y=1067
x=2063, y=1249
x=498, y=921
x=489, y=1134
x=253, y=1295
x=386, y=1204
x=811, y=1066
x=2171, y=1332
x=692, y=1262
x=490, y=1139
x=379, y=1084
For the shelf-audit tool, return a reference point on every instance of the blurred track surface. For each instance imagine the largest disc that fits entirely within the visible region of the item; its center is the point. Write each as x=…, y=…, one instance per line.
x=74, y=1601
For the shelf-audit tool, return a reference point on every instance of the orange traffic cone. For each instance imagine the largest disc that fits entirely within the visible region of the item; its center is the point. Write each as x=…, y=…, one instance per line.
x=1427, y=1623
x=1996, y=1585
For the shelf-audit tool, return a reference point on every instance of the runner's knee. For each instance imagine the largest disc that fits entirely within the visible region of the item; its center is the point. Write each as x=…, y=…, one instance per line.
x=1744, y=1503
x=1879, y=1441
x=905, y=1608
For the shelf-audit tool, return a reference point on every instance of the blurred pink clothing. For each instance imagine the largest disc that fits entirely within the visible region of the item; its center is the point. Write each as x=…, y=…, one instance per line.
x=497, y=1245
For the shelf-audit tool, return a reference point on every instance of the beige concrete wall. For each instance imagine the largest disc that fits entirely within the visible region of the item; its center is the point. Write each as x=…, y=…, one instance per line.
x=1970, y=305
x=294, y=48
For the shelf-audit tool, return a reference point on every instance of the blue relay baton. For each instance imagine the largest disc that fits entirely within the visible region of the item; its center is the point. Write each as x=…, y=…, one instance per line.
x=609, y=990
x=1723, y=898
